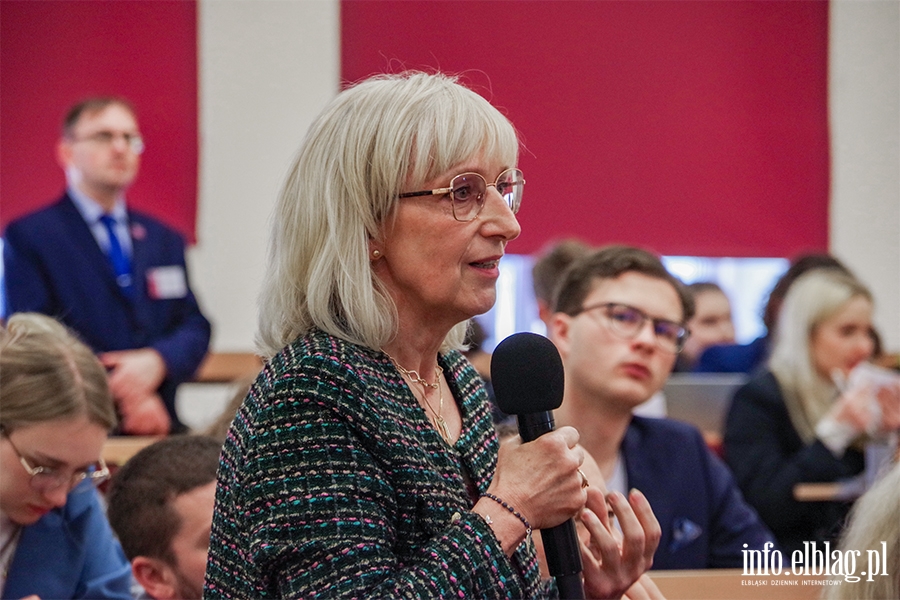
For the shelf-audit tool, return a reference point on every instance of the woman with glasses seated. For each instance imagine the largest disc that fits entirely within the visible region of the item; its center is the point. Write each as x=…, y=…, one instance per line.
x=363, y=462
x=55, y=412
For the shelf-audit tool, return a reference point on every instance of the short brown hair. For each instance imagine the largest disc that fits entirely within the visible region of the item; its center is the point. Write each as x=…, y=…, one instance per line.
x=141, y=492
x=700, y=287
x=608, y=263
x=551, y=264
x=91, y=106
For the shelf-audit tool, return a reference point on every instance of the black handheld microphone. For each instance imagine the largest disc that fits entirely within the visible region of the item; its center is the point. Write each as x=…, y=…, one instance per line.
x=528, y=379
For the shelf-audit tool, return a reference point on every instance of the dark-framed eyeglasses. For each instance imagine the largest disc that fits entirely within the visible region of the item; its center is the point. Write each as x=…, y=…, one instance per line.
x=467, y=192
x=627, y=321
x=48, y=479
x=134, y=141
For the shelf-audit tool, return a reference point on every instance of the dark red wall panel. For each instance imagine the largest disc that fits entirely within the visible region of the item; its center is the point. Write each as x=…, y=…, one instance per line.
x=53, y=53
x=695, y=128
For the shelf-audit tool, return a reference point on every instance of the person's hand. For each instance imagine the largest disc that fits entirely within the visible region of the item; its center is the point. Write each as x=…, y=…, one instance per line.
x=144, y=416
x=624, y=566
x=854, y=408
x=541, y=479
x=134, y=374
x=888, y=398
x=869, y=408
x=644, y=589
x=611, y=565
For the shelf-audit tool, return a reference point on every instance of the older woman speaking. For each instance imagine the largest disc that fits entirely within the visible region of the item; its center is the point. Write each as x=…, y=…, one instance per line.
x=363, y=462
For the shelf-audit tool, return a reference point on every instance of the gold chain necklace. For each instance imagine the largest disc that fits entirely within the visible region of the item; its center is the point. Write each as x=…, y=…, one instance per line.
x=439, y=423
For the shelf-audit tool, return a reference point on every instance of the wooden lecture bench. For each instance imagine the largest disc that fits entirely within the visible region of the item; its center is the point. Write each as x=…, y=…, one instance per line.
x=119, y=448
x=226, y=367
x=217, y=367
x=842, y=491
x=731, y=584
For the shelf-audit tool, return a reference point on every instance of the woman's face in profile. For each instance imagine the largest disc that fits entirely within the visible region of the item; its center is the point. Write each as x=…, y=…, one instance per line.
x=843, y=340
x=437, y=267
x=67, y=446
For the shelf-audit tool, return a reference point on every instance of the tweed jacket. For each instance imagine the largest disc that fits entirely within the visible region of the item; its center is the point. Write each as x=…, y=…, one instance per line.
x=334, y=483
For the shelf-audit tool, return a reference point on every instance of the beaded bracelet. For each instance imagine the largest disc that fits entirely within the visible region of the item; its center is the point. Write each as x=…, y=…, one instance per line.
x=518, y=515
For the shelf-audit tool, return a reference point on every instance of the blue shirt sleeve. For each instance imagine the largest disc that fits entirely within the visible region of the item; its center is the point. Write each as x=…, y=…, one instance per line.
x=70, y=553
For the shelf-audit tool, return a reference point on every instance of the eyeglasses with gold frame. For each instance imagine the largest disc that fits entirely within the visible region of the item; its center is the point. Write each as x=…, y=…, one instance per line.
x=467, y=192
x=48, y=479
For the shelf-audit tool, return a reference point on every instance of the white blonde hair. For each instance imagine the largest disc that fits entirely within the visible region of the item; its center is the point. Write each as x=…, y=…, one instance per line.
x=875, y=518
x=813, y=298
x=372, y=139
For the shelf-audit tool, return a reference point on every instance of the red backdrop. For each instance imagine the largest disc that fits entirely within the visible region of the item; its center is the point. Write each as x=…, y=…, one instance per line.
x=695, y=128
x=54, y=53
x=691, y=127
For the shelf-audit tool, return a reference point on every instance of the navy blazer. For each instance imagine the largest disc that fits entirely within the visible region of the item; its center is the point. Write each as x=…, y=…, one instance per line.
x=53, y=265
x=734, y=358
x=70, y=553
x=704, y=519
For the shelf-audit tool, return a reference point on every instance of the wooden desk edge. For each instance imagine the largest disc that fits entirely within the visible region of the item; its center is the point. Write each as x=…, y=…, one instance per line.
x=732, y=584
x=119, y=448
x=225, y=367
x=828, y=491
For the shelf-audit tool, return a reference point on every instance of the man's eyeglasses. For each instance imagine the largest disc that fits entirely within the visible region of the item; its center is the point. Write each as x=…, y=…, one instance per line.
x=467, y=191
x=627, y=321
x=106, y=138
x=47, y=479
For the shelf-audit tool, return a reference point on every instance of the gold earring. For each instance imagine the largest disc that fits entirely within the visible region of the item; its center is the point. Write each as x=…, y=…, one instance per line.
x=376, y=254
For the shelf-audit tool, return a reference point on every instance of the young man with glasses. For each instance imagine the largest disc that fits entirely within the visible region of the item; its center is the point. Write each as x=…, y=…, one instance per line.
x=619, y=325
x=115, y=276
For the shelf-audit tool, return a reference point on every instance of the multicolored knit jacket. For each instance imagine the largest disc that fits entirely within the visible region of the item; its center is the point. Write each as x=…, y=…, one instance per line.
x=333, y=483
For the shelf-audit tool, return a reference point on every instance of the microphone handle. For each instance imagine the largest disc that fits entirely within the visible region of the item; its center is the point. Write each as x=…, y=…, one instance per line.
x=570, y=587
x=561, y=546
x=563, y=555
x=534, y=425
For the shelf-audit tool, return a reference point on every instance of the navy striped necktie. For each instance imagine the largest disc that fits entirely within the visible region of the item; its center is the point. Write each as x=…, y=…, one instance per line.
x=120, y=263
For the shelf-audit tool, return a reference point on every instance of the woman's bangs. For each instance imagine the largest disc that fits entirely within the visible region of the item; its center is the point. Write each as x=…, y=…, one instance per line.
x=457, y=134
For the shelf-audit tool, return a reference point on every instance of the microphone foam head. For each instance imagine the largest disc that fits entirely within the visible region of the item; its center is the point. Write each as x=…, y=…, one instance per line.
x=527, y=374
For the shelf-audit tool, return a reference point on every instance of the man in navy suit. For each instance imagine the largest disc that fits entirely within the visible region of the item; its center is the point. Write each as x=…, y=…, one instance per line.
x=115, y=276
x=619, y=325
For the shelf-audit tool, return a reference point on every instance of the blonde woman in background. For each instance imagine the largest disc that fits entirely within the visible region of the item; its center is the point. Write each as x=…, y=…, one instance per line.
x=55, y=413
x=798, y=422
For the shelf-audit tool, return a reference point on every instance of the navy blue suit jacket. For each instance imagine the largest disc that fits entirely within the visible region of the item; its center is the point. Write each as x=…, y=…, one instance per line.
x=70, y=553
x=53, y=265
x=734, y=358
x=704, y=518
